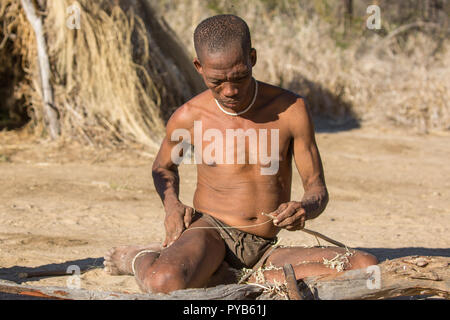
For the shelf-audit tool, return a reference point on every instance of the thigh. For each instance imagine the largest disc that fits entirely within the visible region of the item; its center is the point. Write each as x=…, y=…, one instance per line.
x=196, y=255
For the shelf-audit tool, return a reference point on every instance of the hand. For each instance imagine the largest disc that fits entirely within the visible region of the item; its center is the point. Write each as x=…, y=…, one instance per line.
x=290, y=216
x=178, y=218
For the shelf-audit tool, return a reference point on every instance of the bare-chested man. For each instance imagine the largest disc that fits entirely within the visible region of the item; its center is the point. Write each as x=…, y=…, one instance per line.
x=240, y=175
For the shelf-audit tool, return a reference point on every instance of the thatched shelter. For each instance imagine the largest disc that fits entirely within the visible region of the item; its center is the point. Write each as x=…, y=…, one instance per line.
x=115, y=75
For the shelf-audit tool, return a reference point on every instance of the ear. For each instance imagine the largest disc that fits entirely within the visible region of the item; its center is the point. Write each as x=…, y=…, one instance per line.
x=198, y=65
x=253, y=56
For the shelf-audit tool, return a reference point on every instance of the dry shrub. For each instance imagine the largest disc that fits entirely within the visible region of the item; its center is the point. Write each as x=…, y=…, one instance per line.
x=18, y=62
x=114, y=80
x=111, y=82
x=97, y=82
x=407, y=85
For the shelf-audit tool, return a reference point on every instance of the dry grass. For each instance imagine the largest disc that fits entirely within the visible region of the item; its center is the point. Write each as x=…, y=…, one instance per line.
x=108, y=80
x=398, y=85
x=17, y=59
x=97, y=82
x=113, y=83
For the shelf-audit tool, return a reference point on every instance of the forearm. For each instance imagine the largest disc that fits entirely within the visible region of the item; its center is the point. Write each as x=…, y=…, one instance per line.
x=315, y=201
x=166, y=182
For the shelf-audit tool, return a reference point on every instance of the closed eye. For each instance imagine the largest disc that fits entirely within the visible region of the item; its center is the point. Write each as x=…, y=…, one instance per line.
x=215, y=82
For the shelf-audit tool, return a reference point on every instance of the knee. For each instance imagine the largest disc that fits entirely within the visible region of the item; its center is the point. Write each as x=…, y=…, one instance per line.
x=363, y=260
x=164, y=280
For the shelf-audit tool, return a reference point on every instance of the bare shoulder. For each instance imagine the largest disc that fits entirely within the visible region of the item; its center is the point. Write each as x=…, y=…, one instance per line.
x=299, y=119
x=296, y=104
x=185, y=115
x=291, y=101
x=292, y=109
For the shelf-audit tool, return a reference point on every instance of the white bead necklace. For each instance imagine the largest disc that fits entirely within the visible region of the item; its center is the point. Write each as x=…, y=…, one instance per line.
x=246, y=109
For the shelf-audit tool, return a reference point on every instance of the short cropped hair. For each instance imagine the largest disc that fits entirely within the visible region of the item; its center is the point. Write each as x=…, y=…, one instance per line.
x=217, y=33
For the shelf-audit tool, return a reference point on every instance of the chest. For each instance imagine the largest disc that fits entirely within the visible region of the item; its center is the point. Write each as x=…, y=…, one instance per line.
x=239, y=141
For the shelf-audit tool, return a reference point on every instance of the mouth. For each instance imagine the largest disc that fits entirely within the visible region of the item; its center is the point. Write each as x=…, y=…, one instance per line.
x=230, y=104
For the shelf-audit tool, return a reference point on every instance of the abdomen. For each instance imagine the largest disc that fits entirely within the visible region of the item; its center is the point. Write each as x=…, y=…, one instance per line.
x=237, y=195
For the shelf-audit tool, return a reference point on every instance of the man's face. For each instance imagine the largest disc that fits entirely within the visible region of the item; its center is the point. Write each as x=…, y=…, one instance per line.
x=228, y=74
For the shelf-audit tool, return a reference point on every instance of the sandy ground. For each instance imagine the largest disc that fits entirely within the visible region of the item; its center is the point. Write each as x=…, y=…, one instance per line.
x=64, y=205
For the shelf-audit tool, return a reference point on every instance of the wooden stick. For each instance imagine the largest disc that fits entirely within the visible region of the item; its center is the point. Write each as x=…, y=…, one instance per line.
x=291, y=283
x=314, y=233
x=324, y=237
x=50, y=113
x=47, y=273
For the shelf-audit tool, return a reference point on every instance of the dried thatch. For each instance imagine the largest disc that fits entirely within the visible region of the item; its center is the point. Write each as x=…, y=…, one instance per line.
x=377, y=79
x=121, y=75
x=114, y=78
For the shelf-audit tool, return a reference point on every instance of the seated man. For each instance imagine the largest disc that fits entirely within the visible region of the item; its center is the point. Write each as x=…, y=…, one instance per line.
x=242, y=199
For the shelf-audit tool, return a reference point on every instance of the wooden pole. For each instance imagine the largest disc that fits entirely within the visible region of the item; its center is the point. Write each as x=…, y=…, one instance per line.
x=291, y=283
x=348, y=15
x=50, y=112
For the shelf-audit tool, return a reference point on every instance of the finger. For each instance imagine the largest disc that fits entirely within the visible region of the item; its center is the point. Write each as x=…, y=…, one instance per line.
x=280, y=209
x=174, y=238
x=178, y=231
x=290, y=210
x=188, y=216
x=165, y=241
x=290, y=218
x=298, y=225
x=289, y=221
x=169, y=234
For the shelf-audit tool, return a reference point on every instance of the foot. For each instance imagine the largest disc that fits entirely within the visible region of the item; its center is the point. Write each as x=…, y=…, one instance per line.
x=118, y=259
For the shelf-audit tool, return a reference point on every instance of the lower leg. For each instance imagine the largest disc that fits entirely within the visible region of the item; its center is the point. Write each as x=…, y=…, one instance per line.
x=188, y=263
x=272, y=274
x=142, y=266
x=314, y=261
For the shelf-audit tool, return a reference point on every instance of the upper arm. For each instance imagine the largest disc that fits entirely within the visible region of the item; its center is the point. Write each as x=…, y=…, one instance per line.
x=306, y=154
x=177, y=132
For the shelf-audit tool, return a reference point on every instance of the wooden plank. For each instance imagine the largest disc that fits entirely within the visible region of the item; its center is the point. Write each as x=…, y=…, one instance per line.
x=222, y=292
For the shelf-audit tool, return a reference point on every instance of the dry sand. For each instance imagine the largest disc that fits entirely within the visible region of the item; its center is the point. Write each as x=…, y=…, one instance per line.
x=67, y=205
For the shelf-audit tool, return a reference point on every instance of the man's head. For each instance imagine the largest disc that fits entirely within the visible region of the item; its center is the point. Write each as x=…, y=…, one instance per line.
x=217, y=33
x=225, y=58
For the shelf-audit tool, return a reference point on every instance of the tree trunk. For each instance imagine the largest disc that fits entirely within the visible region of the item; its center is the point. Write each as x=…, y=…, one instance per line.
x=50, y=112
x=348, y=15
x=408, y=276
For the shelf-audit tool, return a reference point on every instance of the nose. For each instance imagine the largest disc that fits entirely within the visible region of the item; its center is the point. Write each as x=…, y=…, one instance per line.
x=230, y=90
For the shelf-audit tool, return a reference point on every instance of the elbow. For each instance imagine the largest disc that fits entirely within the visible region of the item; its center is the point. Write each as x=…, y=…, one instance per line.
x=156, y=166
x=325, y=200
x=317, y=206
x=155, y=170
